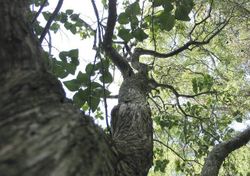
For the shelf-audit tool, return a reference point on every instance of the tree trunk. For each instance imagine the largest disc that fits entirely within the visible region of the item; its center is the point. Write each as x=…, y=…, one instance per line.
x=131, y=126
x=41, y=133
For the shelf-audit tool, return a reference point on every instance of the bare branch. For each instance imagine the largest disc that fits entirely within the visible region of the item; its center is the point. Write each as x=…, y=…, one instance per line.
x=177, y=154
x=186, y=46
x=51, y=19
x=39, y=11
x=203, y=20
x=116, y=58
x=170, y=87
x=112, y=96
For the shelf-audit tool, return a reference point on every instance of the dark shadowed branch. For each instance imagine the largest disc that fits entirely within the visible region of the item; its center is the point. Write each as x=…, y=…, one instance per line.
x=187, y=45
x=116, y=58
x=51, y=19
x=39, y=11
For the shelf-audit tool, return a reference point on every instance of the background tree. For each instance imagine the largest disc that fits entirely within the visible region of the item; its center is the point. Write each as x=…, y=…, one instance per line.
x=181, y=66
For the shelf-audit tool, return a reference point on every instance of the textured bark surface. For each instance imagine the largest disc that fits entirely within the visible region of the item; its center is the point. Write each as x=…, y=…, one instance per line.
x=40, y=133
x=219, y=153
x=43, y=134
x=132, y=131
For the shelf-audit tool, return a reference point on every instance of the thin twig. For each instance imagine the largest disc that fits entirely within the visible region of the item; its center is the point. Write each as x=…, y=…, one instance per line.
x=102, y=66
x=51, y=19
x=156, y=140
x=39, y=11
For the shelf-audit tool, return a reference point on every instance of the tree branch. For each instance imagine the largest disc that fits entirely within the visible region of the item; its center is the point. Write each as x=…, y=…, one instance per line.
x=186, y=46
x=116, y=58
x=39, y=11
x=51, y=19
x=177, y=154
x=221, y=151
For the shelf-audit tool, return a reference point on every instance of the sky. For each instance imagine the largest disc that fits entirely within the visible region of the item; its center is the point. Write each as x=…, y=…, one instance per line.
x=65, y=40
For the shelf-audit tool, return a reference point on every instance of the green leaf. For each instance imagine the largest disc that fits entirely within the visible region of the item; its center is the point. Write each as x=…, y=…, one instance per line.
x=80, y=97
x=160, y=165
x=63, y=56
x=54, y=27
x=181, y=13
x=63, y=18
x=140, y=35
x=38, y=29
x=166, y=20
x=195, y=85
x=73, y=54
x=90, y=69
x=104, y=3
x=99, y=114
x=59, y=70
x=71, y=27
x=85, y=107
x=157, y=3
x=74, y=17
x=125, y=34
x=123, y=18
x=69, y=11
x=93, y=103
x=72, y=85
x=168, y=7
x=95, y=85
x=106, y=77
x=134, y=22
x=83, y=78
x=69, y=60
x=70, y=57
x=133, y=9
x=71, y=68
x=46, y=15
x=208, y=81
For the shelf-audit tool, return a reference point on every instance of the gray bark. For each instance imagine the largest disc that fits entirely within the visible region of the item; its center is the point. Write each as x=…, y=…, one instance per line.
x=221, y=151
x=41, y=133
x=132, y=131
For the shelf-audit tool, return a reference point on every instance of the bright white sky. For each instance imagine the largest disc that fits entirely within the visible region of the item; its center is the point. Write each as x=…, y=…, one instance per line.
x=65, y=40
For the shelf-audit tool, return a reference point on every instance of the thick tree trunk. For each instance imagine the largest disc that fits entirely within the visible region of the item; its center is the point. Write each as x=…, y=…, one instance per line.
x=42, y=134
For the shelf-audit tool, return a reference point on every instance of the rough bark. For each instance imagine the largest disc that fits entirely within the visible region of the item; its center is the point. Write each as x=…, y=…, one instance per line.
x=221, y=151
x=131, y=123
x=40, y=132
x=131, y=126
